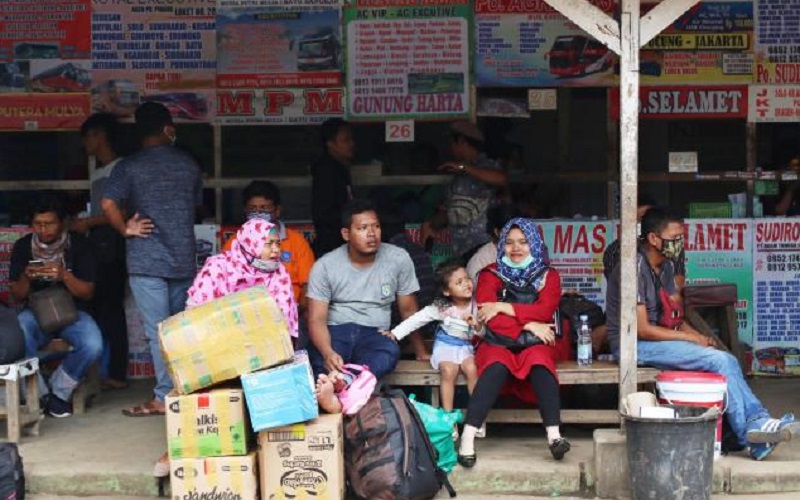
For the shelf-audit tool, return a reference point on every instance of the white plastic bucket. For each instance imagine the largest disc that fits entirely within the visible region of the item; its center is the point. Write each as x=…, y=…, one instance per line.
x=695, y=389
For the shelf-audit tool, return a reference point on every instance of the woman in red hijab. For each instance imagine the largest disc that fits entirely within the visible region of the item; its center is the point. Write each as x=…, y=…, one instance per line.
x=517, y=298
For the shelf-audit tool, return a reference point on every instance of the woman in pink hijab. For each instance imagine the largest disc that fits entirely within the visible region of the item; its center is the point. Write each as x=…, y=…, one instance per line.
x=253, y=260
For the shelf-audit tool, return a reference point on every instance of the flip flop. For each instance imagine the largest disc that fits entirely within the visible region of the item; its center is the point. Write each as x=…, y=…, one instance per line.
x=143, y=410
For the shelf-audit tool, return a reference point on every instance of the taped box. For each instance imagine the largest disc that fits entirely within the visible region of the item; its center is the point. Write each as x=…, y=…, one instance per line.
x=214, y=477
x=303, y=460
x=281, y=396
x=207, y=424
x=223, y=339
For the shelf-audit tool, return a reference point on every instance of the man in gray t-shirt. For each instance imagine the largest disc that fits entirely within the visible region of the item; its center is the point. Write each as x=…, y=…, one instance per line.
x=161, y=187
x=350, y=294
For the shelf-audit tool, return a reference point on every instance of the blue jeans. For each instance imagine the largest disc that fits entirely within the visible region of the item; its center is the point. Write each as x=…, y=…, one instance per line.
x=360, y=345
x=87, y=346
x=742, y=405
x=157, y=299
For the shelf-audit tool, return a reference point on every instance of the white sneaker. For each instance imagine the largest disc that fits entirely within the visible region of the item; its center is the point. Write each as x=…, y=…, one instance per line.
x=481, y=432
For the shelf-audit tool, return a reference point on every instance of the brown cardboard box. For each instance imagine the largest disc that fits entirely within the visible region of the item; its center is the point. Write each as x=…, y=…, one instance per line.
x=207, y=424
x=223, y=339
x=303, y=460
x=215, y=477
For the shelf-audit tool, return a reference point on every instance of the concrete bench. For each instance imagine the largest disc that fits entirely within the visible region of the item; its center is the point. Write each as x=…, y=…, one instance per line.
x=420, y=374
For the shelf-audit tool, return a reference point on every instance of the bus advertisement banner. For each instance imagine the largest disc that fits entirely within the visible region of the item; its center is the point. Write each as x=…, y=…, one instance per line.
x=269, y=44
x=778, y=42
x=776, y=279
x=408, y=59
x=530, y=44
x=32, y=112
x=308, y=106
x=154, y=51
x=711, y=43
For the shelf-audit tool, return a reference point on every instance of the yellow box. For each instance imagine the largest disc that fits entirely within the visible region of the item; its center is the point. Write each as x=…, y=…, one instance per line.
x=223, y=339
x=303, y=460
x=215, y=477
x=207, y=424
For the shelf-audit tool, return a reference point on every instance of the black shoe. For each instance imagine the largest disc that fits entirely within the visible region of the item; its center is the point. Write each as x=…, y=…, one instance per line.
x=57, y=407
x=559, y=448
x=467, y=461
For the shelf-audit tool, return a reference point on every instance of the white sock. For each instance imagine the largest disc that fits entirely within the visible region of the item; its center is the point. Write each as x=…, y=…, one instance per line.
x=467, y=446
x=553, y=433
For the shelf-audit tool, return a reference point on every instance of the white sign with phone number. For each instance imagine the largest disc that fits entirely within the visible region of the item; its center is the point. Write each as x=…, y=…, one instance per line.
x=400, y=131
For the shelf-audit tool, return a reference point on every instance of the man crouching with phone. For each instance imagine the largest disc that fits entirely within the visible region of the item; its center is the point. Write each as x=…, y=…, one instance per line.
x=51, y=257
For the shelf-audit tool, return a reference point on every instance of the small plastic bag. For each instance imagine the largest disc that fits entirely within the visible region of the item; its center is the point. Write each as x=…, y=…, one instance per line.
x=439, y=425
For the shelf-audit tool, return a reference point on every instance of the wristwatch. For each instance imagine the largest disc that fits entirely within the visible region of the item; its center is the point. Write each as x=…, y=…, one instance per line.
x=462, y=168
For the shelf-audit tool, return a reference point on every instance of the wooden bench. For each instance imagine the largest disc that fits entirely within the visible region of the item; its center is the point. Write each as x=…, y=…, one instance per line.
x=420, y=374
x=20, y=414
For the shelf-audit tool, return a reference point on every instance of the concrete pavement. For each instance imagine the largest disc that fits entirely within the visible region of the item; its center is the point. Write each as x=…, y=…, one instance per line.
x=105, y=453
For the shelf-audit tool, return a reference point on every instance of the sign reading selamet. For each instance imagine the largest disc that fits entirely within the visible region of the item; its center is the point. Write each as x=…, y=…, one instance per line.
x=707, y=102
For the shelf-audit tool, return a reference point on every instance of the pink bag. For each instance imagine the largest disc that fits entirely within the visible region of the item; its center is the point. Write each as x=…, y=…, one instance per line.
x=359, y=385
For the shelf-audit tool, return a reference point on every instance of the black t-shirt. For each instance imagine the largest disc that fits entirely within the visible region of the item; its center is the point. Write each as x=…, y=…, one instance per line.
x=79, y=259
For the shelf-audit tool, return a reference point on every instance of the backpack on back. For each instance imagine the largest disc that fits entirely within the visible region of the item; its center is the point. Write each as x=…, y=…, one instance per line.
x=12, y=478
x=388, y=455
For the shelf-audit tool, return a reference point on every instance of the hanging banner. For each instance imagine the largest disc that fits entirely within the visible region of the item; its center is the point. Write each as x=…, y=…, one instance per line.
x=721, y=251
x=271, y=43
x=43, y=112
x=8, y=236
x=279, y=106
x=154, y=50
x=776, y=278
x=778, y=42
x=530, y=44
x=408, y=59
x=576, y=251
x=774, y=103
x=710, y=43
x=687, y=103
x=54, y=29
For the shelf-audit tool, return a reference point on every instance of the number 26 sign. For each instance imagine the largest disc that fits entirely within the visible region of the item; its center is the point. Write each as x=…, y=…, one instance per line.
x=400, y=131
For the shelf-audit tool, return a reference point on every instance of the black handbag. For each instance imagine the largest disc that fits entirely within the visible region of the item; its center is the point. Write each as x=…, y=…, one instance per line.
x=525, y=294
x=53, y=307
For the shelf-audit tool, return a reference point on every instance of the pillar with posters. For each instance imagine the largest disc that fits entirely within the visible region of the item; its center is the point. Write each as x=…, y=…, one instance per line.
x=776, y=279
x=408, y=59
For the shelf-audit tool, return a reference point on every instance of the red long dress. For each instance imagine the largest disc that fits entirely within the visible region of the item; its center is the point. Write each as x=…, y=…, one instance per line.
x=520, y=364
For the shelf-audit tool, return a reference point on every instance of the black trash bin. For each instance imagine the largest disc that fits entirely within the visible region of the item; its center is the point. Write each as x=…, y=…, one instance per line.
x=672, y=458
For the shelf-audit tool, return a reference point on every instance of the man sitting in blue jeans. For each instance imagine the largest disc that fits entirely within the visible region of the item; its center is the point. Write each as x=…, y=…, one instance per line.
x=350, y=292
x=681, y=347
x=51, y=256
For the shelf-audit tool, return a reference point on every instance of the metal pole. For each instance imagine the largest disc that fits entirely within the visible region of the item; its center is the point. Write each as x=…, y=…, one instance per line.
x=629, y=159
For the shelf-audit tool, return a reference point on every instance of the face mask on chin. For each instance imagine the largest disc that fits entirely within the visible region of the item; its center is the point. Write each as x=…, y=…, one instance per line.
x=268, y=266
x=517, y=265
x=671, y=249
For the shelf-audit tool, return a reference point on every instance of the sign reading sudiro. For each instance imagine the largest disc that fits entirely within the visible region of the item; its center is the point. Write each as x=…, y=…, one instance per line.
x=207, y=424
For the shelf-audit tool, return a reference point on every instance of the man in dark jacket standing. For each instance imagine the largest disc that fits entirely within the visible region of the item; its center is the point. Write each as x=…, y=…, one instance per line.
x=331, y=185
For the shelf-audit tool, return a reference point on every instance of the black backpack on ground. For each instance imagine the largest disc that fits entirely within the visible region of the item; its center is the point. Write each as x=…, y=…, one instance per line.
x=12, y=479
x=388, y=455
x=12, y=340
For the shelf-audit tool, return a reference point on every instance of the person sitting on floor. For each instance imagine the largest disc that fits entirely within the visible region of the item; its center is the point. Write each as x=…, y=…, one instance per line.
x=668, y=343
x=53, y=257
x=518, y=294
x=350, y=293
x=253, y=260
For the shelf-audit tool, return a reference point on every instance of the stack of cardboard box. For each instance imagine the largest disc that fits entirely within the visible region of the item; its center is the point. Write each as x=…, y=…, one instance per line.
x=242, y=342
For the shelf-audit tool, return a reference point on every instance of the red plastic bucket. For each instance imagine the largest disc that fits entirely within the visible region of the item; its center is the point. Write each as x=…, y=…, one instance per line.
x=695, y=389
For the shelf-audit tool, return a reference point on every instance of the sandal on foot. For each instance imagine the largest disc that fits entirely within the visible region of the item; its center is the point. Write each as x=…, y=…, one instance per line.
x=467, y=461
x=148, y=409
x=559, y=448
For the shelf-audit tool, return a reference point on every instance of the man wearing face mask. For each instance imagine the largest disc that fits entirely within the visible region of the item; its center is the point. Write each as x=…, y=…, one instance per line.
x=262, y=200
x=162, y=188
x=667, y=342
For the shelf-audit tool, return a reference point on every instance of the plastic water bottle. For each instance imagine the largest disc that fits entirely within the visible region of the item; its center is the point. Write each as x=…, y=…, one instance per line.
x=584, y=342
